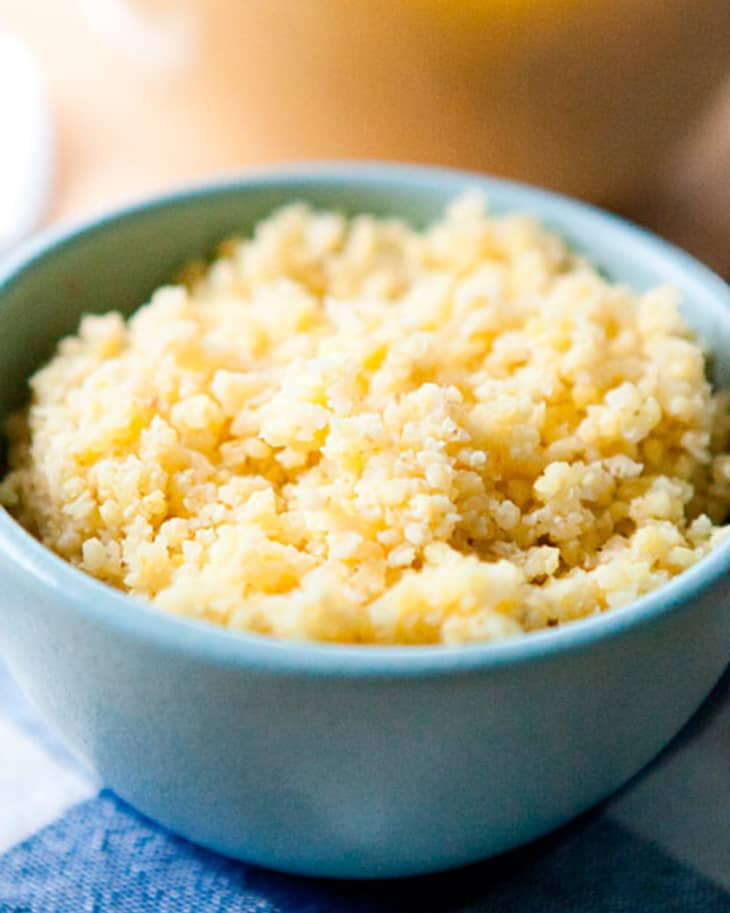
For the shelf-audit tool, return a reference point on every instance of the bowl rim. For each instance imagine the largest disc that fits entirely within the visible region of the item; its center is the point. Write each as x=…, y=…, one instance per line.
x=99, y=603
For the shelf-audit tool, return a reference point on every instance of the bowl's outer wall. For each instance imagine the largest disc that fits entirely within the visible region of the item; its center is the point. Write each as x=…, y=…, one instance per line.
x=352, y=777
x=377, y=776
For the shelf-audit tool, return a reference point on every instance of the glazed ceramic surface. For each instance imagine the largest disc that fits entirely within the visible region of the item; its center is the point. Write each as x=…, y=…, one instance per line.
x=327, y=760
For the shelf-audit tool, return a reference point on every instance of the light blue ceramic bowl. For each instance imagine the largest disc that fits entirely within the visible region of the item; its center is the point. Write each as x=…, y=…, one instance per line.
x=343, y=761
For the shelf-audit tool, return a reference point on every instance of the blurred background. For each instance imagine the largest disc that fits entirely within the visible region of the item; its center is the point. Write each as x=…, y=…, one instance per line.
x=625, y=103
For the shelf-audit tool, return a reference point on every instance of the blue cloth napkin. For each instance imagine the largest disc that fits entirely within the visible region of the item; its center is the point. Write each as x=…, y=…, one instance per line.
x=67, y=846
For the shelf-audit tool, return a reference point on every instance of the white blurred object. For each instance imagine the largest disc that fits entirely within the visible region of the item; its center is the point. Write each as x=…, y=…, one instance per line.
x=161, y=39
x=26, y=143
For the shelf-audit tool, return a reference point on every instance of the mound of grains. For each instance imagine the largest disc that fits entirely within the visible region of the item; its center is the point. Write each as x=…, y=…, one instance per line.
x=350, y=430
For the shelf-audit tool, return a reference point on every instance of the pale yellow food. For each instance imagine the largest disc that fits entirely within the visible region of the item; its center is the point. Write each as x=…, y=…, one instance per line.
x=355, y=431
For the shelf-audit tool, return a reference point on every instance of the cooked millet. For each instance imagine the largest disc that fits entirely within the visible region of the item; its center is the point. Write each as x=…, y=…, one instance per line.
x=351, y=430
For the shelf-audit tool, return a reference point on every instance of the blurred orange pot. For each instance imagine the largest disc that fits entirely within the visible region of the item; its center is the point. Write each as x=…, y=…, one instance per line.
x=586, y=96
